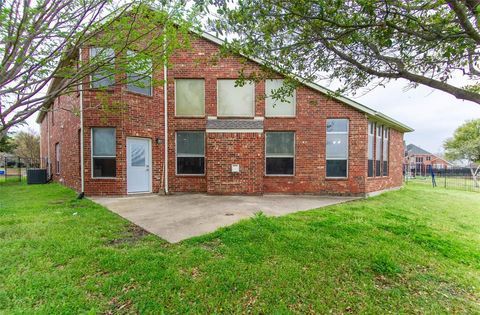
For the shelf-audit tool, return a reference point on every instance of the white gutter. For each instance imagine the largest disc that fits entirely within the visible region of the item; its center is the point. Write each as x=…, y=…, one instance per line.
x=165, y=115
x=82, y=166
x=48, y=146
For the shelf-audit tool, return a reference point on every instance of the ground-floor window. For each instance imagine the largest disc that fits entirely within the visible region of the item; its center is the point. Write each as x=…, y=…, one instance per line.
x=190, y=152
x=378, y=151
x=337, y=148
x=371, y=147
x=386, y=136
x=279, y=153
x=57, y=158
x=104, y=161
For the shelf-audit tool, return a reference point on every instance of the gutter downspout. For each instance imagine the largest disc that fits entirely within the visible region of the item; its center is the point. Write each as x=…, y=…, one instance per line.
x=48, y=146
x=82, y=166
x=165, y=115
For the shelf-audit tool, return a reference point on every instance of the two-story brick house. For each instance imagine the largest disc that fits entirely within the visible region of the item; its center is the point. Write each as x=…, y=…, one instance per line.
x=420, y=161
x=201, y=133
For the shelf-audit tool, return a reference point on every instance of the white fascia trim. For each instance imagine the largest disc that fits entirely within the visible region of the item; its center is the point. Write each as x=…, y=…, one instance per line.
x=234, y=130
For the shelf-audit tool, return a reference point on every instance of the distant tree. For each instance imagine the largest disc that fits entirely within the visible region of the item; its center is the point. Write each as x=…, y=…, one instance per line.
x=27, y=144
x=6, y=144
x=359, y=42
x=40, y=43
x=465, y=144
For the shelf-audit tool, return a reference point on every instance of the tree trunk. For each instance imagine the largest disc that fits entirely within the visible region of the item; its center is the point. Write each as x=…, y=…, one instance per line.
x=474, y=176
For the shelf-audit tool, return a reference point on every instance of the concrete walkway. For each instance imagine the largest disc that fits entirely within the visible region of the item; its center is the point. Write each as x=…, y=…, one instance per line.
x=178, y=217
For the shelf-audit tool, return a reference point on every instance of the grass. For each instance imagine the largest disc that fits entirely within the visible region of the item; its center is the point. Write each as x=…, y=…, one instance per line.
x=465, y=183
x=416, y=250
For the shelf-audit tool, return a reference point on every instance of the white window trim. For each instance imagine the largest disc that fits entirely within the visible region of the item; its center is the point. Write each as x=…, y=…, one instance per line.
x=237, y=116
x=282, y=116
x=102, y=156
x=58, y=149
x=91, y=74
x=283, y=156
x=193, y=155
x=337, y=159
x=371, y=133
x=204, y=96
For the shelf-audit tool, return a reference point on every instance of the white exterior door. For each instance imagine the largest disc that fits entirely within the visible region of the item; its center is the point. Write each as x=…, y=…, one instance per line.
x=138, y=165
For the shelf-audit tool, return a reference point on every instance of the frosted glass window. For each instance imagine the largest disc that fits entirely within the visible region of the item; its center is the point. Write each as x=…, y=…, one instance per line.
x=138, y=155
x=103, y=141
x=235, y=101
x=103, y=77
x=189, y=97
x=283, y=107
x=337, y=148
x=279, y=153
x=139, y=74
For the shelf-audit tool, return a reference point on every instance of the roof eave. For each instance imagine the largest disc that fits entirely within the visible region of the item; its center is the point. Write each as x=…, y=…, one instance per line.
x=370, y=112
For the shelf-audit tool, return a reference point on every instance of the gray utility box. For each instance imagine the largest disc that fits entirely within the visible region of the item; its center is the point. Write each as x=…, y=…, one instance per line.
x=36, y=176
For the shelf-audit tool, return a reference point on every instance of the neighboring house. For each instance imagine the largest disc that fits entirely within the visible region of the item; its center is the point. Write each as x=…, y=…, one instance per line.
x=220, y=139
x=420, y=161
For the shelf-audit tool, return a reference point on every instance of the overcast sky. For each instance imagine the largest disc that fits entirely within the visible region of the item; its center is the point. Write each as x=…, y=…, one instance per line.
x=433, y=114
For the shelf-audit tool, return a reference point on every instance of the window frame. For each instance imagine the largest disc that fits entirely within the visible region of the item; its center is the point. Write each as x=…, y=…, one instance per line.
x=348, y=148
x=294, y=103
x=379, y=172
x=102, y=156
x=204, y=153
x=204, y=98
x=236, y=116
x=58, y=153
x=90, y=76
x=150, y=76
x=294, y=154
x=386, y=141
x=371, y=135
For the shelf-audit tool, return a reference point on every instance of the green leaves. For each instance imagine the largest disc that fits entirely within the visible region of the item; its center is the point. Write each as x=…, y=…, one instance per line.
x=358, y=41
x=465, y=143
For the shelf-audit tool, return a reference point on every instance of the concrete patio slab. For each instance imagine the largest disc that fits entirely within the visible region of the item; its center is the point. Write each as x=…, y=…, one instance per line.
x=178, y=217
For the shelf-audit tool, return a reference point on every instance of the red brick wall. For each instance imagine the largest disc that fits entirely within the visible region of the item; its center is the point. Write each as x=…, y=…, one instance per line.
x=143, y=117
x=64, y=129
x=225, y=149
x=395, y=168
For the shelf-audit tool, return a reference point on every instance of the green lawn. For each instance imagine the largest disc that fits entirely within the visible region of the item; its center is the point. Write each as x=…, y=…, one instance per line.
x=416, y=250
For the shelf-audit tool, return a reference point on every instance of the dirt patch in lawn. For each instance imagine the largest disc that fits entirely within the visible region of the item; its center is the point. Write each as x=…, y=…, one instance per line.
x=133, y=234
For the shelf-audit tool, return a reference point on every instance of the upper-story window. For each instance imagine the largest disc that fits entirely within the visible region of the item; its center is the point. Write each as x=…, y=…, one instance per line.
x=337, y=147
x=371, y=147
x=378, y=151
x=139, y=74
x=190, y=97
x=386, y=137
x=429, y=158
x=105, y=59
x=284, y=106
x=235, y=101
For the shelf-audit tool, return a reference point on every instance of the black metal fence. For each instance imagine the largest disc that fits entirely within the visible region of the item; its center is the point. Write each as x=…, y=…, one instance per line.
x=15, y=168
x=460, y=178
